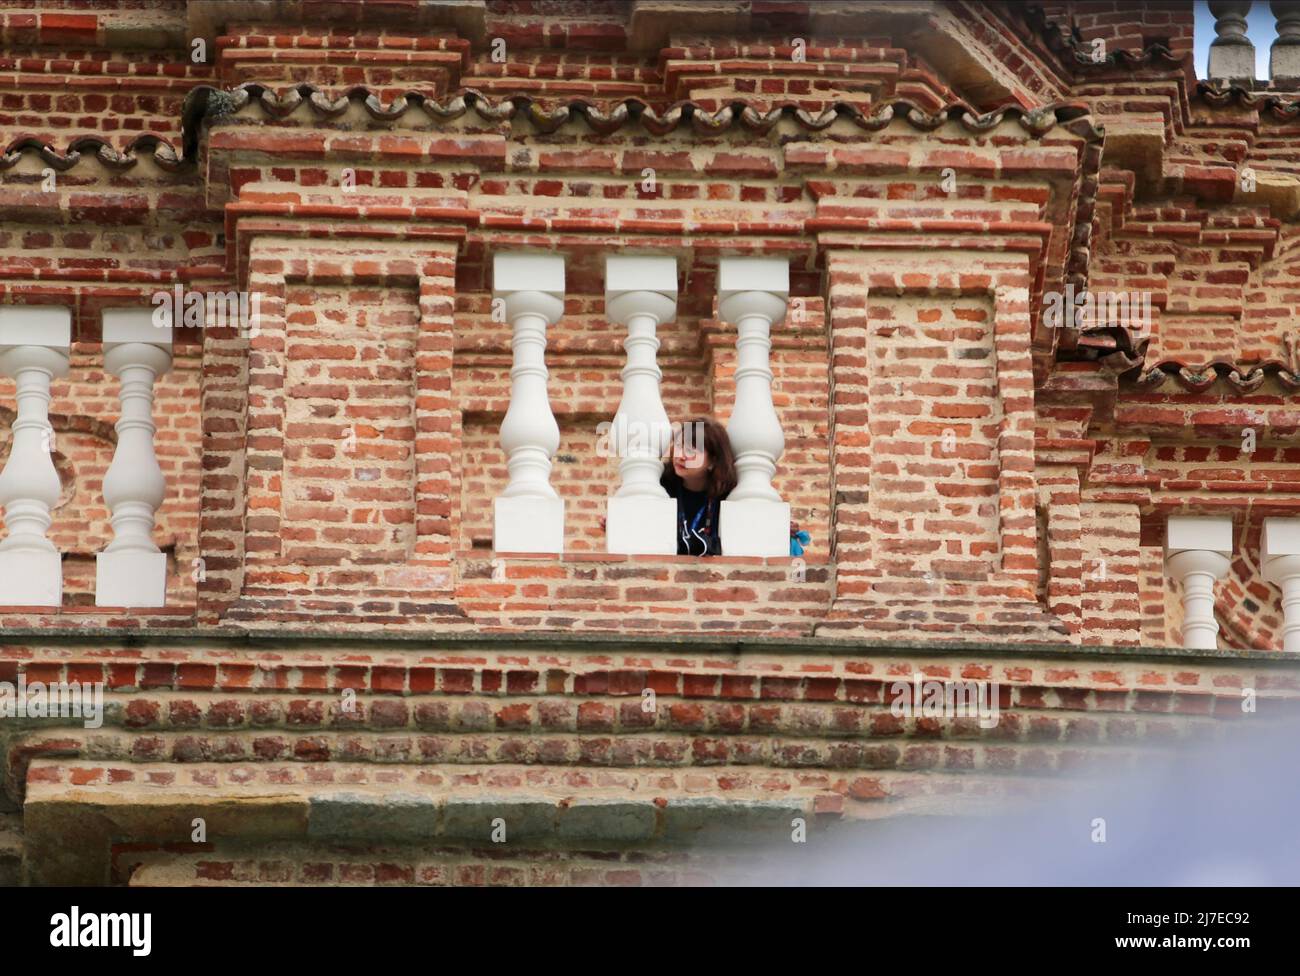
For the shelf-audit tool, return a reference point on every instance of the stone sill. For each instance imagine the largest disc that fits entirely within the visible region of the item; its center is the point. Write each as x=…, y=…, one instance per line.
x=598, y=642
x=82, y=619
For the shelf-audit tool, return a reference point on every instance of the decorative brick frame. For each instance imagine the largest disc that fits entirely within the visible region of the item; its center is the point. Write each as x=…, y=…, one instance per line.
x=1004, y=278
x=274, y=265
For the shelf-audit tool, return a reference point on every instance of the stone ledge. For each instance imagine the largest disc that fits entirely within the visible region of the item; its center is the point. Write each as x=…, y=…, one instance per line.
x=72, y=830
x=231, y=637
x=338, y=865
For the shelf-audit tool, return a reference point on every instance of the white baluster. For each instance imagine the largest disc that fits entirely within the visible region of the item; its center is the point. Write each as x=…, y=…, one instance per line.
x=752, y=293
x=1232, y=53
x=529, y=514
x=1284, y=55
x=34, y=343
x=1197, y=552
x=132, y=571
x=1280, y=558
x=641, y=293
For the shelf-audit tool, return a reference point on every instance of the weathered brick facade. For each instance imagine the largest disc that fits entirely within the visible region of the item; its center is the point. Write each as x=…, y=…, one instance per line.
x=986, y=489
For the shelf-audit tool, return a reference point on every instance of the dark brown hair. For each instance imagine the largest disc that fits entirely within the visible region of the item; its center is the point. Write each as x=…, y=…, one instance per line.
x=722, y=476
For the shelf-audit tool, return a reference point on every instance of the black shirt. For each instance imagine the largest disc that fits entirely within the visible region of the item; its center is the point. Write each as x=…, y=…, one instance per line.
x=697, y=518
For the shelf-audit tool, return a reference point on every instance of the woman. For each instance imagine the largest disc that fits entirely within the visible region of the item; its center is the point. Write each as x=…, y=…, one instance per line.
x=700, y=473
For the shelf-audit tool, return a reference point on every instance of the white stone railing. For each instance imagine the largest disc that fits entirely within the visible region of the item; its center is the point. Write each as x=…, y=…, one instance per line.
x=34, y=347
x=640, y=294
x=1232, y=53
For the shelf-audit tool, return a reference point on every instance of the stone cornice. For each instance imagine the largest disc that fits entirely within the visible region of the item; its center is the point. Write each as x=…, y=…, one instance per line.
x=163, y=153
x=205, y=104
x=1200, y=379
x=1074, y=52
x=1283, y=107
x=548, y=115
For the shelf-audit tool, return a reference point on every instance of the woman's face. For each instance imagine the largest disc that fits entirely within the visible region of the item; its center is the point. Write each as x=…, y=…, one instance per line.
x=690, y=458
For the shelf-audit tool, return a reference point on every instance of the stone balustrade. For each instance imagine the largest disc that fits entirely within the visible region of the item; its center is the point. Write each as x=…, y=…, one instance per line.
x=34, y=350
x=641, y=295
x=753, y=295
x=1232, y=53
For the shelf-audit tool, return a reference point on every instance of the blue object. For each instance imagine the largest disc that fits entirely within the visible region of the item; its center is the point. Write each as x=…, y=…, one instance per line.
x=797, y=541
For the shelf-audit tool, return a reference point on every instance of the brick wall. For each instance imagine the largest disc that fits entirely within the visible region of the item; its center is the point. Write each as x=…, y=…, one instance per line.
x=281, y=172
x=349, y=426
x=936, y=418
x=932, y=175
x=83, y=409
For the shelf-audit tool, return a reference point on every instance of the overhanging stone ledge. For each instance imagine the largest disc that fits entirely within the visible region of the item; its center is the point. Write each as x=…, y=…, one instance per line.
x=594, y=643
